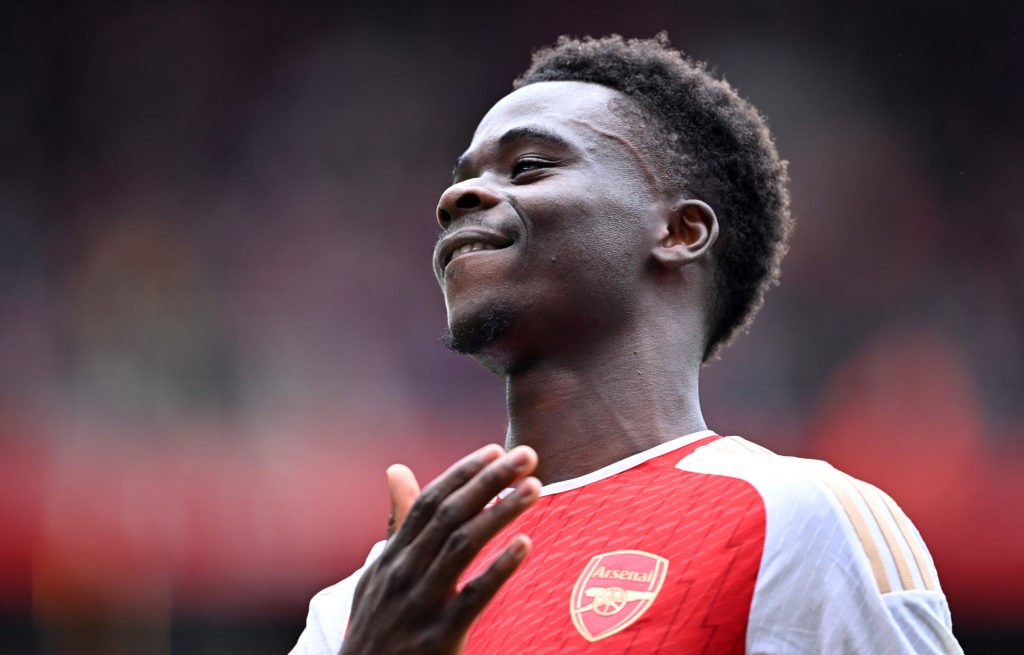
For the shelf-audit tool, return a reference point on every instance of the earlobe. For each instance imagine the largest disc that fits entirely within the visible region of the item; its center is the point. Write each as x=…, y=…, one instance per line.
x=689, y=231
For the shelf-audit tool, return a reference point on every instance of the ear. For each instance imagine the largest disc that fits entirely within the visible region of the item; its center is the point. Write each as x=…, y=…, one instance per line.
x=689, y=231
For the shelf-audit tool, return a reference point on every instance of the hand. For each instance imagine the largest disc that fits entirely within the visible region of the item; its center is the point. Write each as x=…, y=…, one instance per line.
x=407, y=601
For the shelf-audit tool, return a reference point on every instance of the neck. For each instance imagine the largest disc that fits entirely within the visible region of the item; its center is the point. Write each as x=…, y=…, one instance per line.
x=583, y=414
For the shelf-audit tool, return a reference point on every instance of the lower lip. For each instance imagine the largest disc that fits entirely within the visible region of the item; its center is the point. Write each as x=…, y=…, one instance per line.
x=466, y=255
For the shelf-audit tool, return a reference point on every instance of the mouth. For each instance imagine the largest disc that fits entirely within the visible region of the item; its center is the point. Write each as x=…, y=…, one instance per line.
x=464, y=242
x=468, y=248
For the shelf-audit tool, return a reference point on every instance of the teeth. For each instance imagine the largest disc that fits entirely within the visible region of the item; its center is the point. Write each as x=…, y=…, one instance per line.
x=470, y=247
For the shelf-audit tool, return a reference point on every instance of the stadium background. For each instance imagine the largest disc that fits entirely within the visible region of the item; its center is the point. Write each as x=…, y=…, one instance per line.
x=218, y=323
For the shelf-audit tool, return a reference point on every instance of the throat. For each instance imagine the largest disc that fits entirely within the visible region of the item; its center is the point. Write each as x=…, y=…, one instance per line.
x=579, y=424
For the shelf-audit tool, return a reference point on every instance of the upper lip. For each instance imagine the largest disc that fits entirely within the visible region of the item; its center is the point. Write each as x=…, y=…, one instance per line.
x=465, y=236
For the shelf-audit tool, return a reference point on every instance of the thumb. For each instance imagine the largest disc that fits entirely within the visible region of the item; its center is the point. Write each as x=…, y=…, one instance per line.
x=404, y=490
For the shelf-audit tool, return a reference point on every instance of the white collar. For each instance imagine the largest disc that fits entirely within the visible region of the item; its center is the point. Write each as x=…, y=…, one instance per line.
x=622, y=464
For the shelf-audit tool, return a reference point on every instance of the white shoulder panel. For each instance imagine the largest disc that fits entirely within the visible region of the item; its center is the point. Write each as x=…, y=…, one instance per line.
x=843, y=569
x=329, y=611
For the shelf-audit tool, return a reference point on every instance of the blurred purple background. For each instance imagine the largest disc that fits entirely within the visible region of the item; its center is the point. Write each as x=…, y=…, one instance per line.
x=218, y=322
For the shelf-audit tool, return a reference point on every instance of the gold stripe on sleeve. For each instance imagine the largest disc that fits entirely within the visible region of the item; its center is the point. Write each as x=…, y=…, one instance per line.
x=915, y=545
x=730, y=445
x=870, y=496
x=863, y=533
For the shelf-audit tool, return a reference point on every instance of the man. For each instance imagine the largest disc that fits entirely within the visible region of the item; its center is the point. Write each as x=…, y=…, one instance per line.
x=614, y=221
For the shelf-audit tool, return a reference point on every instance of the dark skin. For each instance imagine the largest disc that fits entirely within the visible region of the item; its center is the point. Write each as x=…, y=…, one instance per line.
x=557, y=215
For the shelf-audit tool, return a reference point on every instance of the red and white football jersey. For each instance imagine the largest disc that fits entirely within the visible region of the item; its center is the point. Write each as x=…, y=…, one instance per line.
x=704, y=544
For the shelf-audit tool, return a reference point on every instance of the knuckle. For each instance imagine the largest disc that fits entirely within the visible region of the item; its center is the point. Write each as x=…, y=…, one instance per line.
x=423, y=507
x=448, y=514
x=430, y=498
x=459, y=543
x=463, y=474
x=496, y=476
x=400, y=576
x=430, y=642
x=454, y=478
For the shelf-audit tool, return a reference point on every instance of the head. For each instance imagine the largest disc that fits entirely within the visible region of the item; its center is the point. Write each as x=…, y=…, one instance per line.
x=651, y=134
x=715, y=147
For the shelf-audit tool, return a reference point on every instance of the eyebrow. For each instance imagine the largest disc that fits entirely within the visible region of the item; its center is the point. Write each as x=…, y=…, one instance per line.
x=524, y=133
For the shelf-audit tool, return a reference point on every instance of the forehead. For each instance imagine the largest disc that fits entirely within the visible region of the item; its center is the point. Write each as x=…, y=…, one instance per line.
x=579, y=107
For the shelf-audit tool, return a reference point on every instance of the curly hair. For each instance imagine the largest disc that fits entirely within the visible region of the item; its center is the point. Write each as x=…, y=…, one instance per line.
x=718, y=149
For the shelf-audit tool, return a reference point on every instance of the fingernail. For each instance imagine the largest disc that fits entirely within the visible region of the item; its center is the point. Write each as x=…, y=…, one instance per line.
x=519, y=546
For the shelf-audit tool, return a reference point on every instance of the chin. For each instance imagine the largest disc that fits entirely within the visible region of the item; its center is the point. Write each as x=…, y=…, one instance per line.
x=479, y=333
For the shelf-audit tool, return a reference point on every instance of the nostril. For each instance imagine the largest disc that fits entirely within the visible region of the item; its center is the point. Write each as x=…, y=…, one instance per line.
x=467, y=201
x=444, y=217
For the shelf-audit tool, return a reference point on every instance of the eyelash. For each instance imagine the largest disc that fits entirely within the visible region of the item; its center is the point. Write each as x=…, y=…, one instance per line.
x=532, y=162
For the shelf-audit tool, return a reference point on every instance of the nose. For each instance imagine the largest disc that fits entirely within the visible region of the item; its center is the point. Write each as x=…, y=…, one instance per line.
x=462, y=198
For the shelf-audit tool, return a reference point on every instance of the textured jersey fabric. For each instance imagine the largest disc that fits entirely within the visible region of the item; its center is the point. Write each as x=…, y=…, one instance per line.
x=701, y=545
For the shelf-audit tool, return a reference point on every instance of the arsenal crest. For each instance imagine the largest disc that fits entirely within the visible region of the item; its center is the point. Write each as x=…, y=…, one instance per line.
x=614, y=590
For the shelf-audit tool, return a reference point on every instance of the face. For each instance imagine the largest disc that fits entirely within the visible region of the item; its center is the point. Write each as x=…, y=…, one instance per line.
x=548, y=226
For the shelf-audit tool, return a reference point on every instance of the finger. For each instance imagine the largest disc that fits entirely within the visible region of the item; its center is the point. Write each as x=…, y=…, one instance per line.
x=466, y=541
x=450, y=519
x=433, y=494
x=403, y=490
x=479, y=591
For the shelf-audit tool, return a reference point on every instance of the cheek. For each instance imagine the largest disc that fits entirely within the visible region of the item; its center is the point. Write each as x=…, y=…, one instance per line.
x=588, y=225
x=614, y=229
x=603, y=250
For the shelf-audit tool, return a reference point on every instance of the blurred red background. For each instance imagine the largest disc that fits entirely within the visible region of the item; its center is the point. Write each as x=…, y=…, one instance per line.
x=218, y=323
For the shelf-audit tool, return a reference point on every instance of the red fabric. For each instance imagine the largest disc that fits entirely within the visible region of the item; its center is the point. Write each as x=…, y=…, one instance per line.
x=709, y=528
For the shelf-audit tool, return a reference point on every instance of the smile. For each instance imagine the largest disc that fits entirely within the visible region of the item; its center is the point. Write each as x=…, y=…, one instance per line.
x=469, y=247
x=466, y=241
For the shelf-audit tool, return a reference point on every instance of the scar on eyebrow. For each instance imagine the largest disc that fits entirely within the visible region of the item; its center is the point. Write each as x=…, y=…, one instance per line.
x=523, y=133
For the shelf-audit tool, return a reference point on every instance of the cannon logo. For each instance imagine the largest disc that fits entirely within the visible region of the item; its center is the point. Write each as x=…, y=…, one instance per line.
x=614, y=590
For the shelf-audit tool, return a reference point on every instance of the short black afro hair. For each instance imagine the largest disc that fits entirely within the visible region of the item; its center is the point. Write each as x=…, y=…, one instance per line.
x=718, y=146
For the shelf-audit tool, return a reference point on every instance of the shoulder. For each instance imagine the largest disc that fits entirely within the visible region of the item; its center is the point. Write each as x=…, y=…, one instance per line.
x=811, y=503
x=843, y=569
x=329, y=611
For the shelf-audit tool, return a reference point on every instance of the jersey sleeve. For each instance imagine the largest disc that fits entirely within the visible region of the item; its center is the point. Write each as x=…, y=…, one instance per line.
x=329, y=611
x=843, y=569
